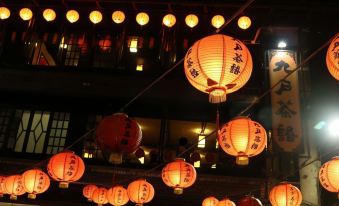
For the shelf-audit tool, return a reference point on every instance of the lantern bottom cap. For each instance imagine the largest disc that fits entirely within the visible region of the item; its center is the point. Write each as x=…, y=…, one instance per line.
x=115, y=158
x=242, y=160
x=217, y=95
x=13, y=197
x=178, y=191
x=89, y=200
x=138, y=204
x=63, y=185
x=32, y=196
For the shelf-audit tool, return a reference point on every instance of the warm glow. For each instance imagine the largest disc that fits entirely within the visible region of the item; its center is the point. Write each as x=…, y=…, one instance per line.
x=35, y=182
x=26, y=14
x=202, y=141
x=282, y=44
x=333, y=128
x=169, y=20
x=14, y=186
x=285, y=194
x=142, y=18
x=249, y=200
x=72, y=16
x=88, y=191
x=117, y=196
x=88, y=155
x=217, y=21
x=214, y=166
x=332, y=58
x=210, y=201
x=2, y=186
x=244, y=22
x=5, y=13
x=226, y=202
x=142, y=160
x=191, y=20
x=140, y=192
x=196, y=164
x=49, y=14
x=133, y=45
x=95, y=17
x=140, y=67
x=329, y=175
x=118, y=17
x=99, y=196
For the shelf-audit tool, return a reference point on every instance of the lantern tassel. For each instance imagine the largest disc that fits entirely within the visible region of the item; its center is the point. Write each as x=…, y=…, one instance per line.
x=178, y=191
x=32, y=196
x=217, y=95
x=63, y=185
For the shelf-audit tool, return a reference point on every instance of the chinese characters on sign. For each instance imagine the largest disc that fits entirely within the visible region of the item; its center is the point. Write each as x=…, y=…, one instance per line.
x=286, y=123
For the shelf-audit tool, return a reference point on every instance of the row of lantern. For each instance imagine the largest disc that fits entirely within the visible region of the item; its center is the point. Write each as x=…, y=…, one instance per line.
x=118, y=17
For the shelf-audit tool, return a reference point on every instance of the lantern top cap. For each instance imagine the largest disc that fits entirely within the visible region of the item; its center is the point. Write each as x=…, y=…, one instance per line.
x=241, y=117
x=120, y=113
x=180, y=159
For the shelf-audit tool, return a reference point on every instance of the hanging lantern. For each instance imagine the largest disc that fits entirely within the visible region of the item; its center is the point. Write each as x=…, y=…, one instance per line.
x=328, y=175
x=218, y=65
x=217, y=21
x=49, y=14
x=99, y=196
x=2, y=186
x=65, y=167
x=249, y=201
x=140, y=192
x=210, y=201
x=5, y=13
x=169, y=20
x=14, y=186
x=118, y=17
x=285, y=194
x=142, y=18
x=95, y=17
x=88, y=190
x=332, y=58
x=243, y=138
x=117, y=196
x=72, y=16
x=118, y=135
x=35, y=182
x=244, y=22
x=226, y=202
x=191, y=20
x=26, y=14
x=179, y=175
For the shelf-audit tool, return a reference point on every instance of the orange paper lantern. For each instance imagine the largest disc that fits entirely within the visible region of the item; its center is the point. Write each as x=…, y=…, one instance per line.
x=218, y=65
x=332, y=58
x=169, y=20
x=2, y=186
x=99, y=196
x=217, y=21
x=35, y=182
x=14, y=186
x=72, y=16
x=142, y=18
x=210, y=201
x=244, y=22
x=249, y=201
x=5, y=13
x=26, y=14
x=88, y=190
x=179, y=175
x=226, y=202
x=95, y=17
x=242, y=138
x=65, y=167
x=49, y=14
x=140, y=192
x=285, y=194
x=329, y=175
x=117, y=196
x=191, y=20
x=118, y=17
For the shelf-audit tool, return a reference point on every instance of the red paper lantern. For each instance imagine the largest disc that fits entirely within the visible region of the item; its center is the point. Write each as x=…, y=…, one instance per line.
x=105, y=44
x=285, y=194
x=118, y=134
x=179, y=175
x=14, y=186
x=99, y=196
x=243, y=138
x=65, y=167
x=226, y=202
x=218, y=65
x=249, y=201
x=2, y=186
x=35, y=182
x=332, y=58
x=210, y=201
x=117, y=196
x=328, y=175
x=140, y=192
x=88, y=190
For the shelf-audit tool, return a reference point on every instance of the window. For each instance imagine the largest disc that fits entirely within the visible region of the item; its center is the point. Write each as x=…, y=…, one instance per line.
x=5, y=117
x=72, y=48
x=90, y=149
x=202, y=141
x=58, y=132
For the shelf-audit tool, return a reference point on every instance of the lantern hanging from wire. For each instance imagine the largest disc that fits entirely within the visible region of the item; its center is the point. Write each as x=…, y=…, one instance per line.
x=49, y=15
x=5, y=13
x=217, y=21
x=169, y=20
x=35, y=182
x=65, y=167
x=210, y=201
x=26, y=14
x=118, y=17
x=179, y=175
x=329, y=175
x=88, y=190
x=117, y=196
x=332, y=58
x=285, y=194
x=249, y=201
x=2, y=186
x=218, y=65
x=244, y=22
x=140, y=192
x=14, y=186
x=226, y=202
x=95, y=17
x=191, y=20
x=72, y=16
x=242, y=138
x=99, y=196
x=142, y=18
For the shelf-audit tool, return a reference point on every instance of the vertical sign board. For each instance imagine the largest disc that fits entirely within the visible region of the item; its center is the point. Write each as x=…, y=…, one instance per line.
x=286, y=123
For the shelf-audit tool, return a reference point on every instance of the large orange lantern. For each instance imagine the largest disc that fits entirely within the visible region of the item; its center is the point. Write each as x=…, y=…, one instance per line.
x=329, y=175
x=26, y=14
x=179, y=175
x=118, y=134
x=285, y=194
x=226, y=202
x=218, y=65
x=99, y=196
x=2, y=186
x=95, y=17
x=65, y=167
x=140, y=192
x=14, y=186
x=72, y=16
x=49, y=14
x=210, y=201
x=249, y=201
x=5, y=13
x=88, y=190
x=35, y=182
x=332, y=58
x=117, y=196
x=242, y=138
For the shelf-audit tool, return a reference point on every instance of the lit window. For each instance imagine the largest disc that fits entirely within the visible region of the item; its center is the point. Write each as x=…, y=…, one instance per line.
x=133, y=45
x=214, y=166
x=88, y=155
x=196, y=164
x=216, y=145
x=140, y=67
x=142, y=160
x=202, y=141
